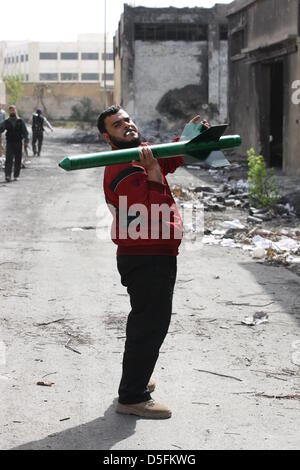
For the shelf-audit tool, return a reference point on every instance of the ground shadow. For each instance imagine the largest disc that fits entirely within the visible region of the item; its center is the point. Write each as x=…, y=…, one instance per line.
x=280, y=284
x=100, y=434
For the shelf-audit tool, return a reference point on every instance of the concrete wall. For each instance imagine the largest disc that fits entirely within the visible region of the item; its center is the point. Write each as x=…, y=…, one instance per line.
x=291, y=144
x=57, y=99
x=163, y=66
x=270, y=29
x=166, y=82
x=270, y=21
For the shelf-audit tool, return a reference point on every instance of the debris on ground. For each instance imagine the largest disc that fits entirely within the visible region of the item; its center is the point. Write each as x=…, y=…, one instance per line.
x=258, y=318
x=279, y=397
x=45, y=384
x=268, y=235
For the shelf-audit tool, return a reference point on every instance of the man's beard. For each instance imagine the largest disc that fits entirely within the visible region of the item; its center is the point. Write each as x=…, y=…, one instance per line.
x=120, y=144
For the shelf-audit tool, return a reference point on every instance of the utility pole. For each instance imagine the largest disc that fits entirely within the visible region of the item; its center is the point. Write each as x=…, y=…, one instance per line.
x=105, y=50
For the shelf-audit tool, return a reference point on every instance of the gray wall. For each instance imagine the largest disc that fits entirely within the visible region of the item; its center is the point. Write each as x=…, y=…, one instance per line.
x=270, y=29
x=171, y=81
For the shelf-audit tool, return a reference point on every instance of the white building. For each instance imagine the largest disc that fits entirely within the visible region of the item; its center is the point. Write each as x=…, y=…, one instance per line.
x=82, y=61
x=2, y=85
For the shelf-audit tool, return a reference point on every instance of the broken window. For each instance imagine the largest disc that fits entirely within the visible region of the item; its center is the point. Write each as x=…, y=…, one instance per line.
x=237, y=42
x=170, y=32
x=223, y=29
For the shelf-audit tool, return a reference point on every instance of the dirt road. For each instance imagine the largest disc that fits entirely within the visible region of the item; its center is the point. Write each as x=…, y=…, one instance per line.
x=62, y=319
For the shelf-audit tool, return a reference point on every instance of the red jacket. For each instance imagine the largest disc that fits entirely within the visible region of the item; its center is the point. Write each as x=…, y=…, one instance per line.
x=143, y=230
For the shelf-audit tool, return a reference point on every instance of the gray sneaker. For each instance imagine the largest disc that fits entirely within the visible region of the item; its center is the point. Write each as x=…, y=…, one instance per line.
x=148, y=410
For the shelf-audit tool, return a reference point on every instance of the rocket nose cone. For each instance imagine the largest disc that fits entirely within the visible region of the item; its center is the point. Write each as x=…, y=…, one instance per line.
x=66, y=164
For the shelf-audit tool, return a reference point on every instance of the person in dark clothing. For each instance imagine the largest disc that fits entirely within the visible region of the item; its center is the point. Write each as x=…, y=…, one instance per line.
x=146, y=256
x=16, y=132
x=38, y=127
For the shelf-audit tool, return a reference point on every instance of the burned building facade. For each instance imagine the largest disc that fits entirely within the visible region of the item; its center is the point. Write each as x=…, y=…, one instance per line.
x=172, y=63
x=264, y=79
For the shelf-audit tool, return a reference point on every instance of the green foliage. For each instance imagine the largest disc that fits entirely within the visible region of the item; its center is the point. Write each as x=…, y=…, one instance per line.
x=263, y=191
x=14, y=88
x=84, y=112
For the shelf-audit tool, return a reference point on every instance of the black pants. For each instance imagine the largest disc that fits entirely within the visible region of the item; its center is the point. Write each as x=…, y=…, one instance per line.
x=13, y=157
x=37, y=137
x=150, y=282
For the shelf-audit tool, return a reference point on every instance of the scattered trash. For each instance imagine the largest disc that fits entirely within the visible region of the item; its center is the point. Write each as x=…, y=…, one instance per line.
x=258, y=318
x=71, y=349
x=278, y=245
x=259, y=253
x=233, y=224
x=76, y=229
x=45, y=384
x=293, y=260
x=279, y=397
x=50, y=323
x=219, y=375
x=64, y=419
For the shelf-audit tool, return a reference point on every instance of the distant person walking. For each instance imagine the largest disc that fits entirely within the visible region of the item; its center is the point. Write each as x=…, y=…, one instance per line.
x=16, y=132
x=2, y=119
x=38, y=127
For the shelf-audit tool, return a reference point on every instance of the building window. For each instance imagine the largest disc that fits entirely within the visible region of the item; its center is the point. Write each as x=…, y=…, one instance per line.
x=69, y=56
x=89, y=56
x=27, y=78
x=109, y=77
x=48, y=56
x=223, y=30
x=108, y=56
x=70, y=76
x=22, y=58
x=90, y=76
x=53, y=77
x=170, y=32
x=237, y=42
x=26, y=58
x=12, y=60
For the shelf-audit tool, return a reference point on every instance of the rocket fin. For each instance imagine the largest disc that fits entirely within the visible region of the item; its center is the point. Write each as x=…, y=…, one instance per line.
x=214, y=133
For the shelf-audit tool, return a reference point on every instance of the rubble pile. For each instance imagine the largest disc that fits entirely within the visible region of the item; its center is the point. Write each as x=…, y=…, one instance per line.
x=232, y=222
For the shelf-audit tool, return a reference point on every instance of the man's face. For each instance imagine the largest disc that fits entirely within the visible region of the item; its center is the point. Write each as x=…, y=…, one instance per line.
x=121, y=131
x=12, y=111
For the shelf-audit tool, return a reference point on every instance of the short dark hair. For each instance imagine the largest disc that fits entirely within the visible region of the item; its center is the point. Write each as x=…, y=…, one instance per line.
x=108, y=112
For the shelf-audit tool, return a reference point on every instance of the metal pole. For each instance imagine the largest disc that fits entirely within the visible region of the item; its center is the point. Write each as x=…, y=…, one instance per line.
x=105, y=49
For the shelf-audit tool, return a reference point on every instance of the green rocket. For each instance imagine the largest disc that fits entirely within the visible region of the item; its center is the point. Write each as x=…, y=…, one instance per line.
x=195, y=142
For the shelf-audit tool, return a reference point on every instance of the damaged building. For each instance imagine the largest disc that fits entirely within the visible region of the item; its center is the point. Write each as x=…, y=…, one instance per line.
x=172, y=63
x=264, y=79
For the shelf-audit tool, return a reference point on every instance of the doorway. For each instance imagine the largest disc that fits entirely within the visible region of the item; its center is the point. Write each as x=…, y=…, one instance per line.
x=276, y=114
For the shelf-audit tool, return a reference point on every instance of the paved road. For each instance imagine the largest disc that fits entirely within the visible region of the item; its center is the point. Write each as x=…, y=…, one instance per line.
x=50, y=272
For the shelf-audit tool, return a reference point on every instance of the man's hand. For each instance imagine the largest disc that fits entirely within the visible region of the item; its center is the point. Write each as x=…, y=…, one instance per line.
x=150, y=164
x=204, y=123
